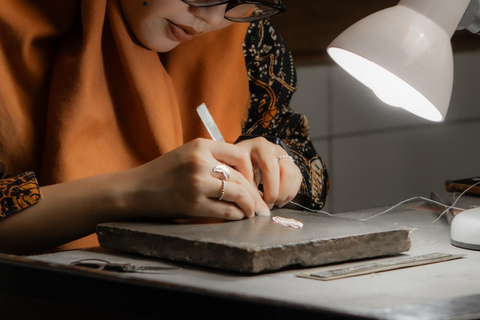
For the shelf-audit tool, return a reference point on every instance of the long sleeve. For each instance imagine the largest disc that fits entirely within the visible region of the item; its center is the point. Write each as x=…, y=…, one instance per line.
x=272, y=80
x=17, y=193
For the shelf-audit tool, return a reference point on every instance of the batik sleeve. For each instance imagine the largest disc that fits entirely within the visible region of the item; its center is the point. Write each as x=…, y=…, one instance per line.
x=273, y=81
x=17, y=193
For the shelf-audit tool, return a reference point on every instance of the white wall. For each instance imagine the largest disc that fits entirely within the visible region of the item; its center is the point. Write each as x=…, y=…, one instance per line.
x=380, y=155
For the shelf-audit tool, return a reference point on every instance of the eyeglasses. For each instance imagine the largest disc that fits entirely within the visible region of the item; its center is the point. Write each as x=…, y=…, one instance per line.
x=243, y=10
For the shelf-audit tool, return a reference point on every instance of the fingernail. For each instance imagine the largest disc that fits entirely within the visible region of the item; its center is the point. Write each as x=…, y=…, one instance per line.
x=263, y=211
x=263, y=214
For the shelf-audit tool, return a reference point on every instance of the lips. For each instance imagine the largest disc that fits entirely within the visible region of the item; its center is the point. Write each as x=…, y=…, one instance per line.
x=181, y=33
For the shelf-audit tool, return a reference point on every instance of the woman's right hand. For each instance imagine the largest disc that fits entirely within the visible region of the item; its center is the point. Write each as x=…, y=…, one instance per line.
x=181, y=184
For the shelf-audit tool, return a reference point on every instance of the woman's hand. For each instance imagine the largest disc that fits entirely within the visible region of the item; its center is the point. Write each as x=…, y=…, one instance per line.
x=178, y=184
x=182, y=183
x=281, y=178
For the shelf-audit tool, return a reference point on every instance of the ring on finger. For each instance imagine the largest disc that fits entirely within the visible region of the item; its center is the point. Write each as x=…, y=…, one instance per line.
x=285, y=156
x=223, y=169
x=223, y=190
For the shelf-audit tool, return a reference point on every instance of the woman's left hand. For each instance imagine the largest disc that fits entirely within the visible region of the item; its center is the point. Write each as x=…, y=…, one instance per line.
x=281, y=177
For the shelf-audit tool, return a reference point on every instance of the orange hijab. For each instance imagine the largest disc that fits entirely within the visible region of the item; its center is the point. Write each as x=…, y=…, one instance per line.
x=79, y=96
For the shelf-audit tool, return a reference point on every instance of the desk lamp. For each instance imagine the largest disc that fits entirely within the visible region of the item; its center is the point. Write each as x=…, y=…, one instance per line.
x=404, y=55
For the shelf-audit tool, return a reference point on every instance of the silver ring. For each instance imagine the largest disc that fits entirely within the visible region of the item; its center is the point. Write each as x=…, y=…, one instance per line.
x=284, y=156
x=223, y=169
x=223, y=190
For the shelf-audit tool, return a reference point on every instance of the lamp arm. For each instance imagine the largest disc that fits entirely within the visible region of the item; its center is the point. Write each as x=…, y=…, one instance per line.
x=471, y=18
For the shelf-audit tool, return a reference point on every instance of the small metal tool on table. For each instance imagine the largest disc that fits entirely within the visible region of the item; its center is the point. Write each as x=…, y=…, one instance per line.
x=100, y=264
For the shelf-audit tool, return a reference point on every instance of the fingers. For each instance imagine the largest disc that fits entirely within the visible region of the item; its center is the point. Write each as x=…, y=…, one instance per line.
x=224, y=210
x=226, y=200
x=182, y=183
x=291, y=177
x=235, y=203
x=234, y=156
x=239, y=191
x=239, y=160
x=270, y=170
x=281, y=177
x=205, y=157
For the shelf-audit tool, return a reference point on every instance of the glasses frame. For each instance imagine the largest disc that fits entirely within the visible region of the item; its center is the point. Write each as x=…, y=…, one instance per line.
x=234, y=3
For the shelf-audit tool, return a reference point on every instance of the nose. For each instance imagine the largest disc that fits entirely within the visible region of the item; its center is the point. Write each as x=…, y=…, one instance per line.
x=211, y=15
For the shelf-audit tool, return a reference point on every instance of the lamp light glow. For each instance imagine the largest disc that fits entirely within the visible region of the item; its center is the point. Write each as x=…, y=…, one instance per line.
x=387, y=87
x=404, y=55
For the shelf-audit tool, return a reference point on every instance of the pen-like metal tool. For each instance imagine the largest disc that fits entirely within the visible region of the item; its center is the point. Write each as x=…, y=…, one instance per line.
x=209, y=123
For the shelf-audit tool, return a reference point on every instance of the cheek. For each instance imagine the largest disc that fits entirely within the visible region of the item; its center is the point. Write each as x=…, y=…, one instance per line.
x=148, y=24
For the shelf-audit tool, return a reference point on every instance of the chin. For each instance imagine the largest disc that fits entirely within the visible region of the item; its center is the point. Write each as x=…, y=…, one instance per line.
x=159, y=44
x=163, y=48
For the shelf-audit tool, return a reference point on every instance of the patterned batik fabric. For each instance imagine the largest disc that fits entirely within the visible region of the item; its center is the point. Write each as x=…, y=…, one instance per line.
x=17, y=193
x=273, y=81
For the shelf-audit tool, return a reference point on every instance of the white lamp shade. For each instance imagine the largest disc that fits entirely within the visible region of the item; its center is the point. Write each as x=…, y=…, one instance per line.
x=403, y=56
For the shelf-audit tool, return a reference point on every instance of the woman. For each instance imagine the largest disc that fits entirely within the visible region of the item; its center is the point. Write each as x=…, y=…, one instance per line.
x=99, y=101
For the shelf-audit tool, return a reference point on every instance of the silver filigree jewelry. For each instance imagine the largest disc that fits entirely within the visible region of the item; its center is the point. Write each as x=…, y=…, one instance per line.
x=288, y=222
x=223, y=169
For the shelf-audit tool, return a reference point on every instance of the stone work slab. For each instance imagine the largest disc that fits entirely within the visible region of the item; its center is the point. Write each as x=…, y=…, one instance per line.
x=258, y=244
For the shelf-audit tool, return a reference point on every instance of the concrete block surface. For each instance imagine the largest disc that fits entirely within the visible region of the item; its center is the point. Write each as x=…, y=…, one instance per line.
x=258, y=244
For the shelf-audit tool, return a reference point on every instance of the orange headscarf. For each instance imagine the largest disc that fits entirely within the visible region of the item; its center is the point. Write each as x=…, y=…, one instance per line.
x=79, y=96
